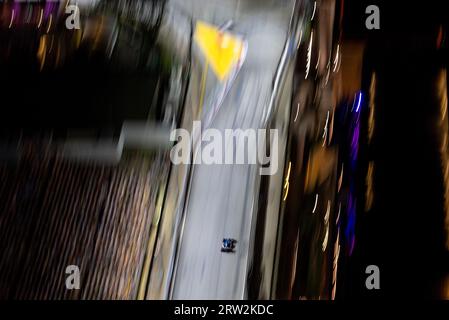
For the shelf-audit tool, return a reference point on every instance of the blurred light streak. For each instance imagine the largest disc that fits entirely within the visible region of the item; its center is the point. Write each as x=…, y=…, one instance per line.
x=325, y=129
x=309, y=55
x=338, y=215
x=300, y=39
x=41, y=52
x=314, y=10
x=372, y=107
x=335, y=264
x=442, y=95
x=287, y=188
x=440, y=37
x=359, y=103
x=41, y=14
x=326, y=239
x=328, y=212
x=287, y=181
x=331, y=127
x=13, y=13
x=289, y=171
x=49, y=23
x=29, y=13
x=295, y=262
x=316, y=203
x=350, y=226
x=355, y=143
x=337, y=58
x=327, y=74
x=444, y=153
x=297, y=112
x=445, y=288
x=349, y=231
x=340, y=179
x=369, y=187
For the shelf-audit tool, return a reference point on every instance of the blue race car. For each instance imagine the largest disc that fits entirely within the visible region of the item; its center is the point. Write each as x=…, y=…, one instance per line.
x=228, y=245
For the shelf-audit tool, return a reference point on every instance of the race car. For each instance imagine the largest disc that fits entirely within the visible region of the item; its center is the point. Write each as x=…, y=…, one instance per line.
x=228, y=245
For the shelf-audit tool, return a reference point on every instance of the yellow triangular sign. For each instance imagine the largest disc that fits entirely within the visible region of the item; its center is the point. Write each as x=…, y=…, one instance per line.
x=221, y=49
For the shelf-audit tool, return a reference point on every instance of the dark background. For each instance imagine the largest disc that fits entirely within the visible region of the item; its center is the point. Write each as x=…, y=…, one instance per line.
x=403, y=233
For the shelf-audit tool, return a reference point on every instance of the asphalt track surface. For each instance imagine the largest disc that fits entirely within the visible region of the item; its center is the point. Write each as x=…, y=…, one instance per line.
x=222, y=196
